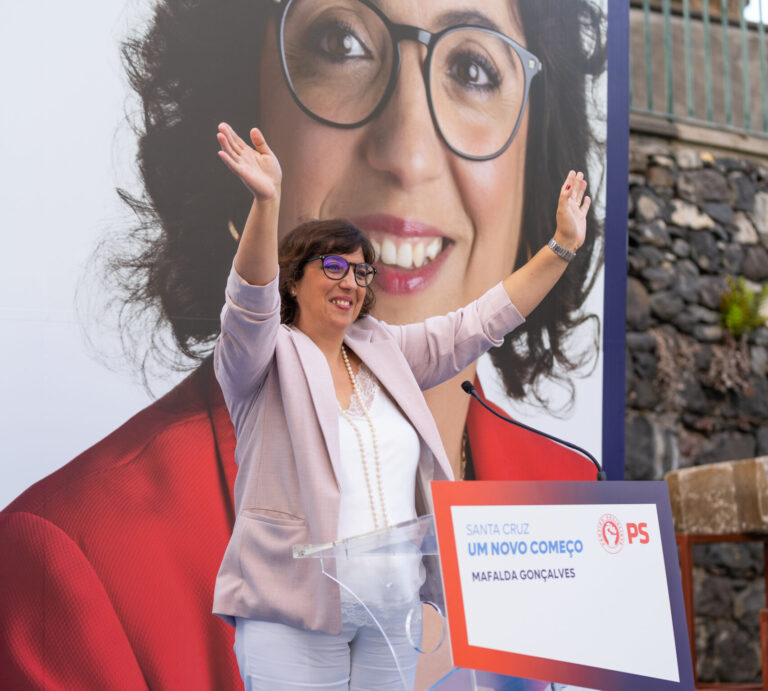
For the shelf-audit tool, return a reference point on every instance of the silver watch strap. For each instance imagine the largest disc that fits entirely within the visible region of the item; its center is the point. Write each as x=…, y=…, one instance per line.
x=560, y=251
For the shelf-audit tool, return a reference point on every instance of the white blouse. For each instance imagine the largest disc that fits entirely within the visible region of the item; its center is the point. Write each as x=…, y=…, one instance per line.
x=398, y=446
x=399, y=449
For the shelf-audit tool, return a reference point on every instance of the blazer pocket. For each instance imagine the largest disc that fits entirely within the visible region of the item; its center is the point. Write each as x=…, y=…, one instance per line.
x=273, y=517
x=274, y=584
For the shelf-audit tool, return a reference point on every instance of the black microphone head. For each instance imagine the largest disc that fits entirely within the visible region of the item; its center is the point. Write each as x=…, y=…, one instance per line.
x=467, y=386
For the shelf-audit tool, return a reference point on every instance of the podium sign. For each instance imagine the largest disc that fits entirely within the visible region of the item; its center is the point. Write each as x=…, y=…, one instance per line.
x=572, y=582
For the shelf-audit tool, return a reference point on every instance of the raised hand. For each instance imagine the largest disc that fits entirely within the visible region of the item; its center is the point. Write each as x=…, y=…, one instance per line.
x=256, y=166
x=529, y=285
x=572, y=208
x=259, y=170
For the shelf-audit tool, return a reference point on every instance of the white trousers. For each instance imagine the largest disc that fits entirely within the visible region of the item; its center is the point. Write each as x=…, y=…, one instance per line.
x=276, y=657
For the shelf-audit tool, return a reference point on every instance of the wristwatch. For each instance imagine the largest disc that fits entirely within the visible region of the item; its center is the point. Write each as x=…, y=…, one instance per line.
x=560, y=251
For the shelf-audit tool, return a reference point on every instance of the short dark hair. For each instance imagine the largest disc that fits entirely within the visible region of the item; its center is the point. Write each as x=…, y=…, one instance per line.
x=173, y=265
x=312, y=239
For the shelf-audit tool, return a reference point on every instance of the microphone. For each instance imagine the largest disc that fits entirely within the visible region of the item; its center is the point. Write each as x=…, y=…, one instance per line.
x=470, y=389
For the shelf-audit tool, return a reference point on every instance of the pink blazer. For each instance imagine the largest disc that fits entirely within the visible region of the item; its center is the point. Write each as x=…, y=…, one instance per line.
x=280, y=395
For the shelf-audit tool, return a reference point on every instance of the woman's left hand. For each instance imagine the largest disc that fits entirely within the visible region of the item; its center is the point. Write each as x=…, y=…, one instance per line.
x=572, y=208
x=529, y=285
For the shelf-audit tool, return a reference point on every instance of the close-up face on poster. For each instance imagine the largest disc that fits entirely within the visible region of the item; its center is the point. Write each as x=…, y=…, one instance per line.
x=443, y=129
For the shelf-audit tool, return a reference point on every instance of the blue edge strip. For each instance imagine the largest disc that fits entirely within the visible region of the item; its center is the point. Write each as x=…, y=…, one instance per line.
x=614, y=307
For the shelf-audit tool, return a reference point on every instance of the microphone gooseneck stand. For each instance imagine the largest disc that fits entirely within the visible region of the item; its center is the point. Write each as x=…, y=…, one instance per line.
x=470, y=389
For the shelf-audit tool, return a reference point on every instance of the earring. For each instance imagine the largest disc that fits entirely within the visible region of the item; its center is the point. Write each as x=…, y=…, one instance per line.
x=293, y=292
x=233, y=231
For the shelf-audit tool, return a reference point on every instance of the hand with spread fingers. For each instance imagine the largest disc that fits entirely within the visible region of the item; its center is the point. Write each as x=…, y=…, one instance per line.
x=572, y=209
x=531, y=283
x=256, y=166
x=259, y=170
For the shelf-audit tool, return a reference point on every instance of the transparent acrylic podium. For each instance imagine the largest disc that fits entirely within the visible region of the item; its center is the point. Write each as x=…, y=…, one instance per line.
x=390, y=583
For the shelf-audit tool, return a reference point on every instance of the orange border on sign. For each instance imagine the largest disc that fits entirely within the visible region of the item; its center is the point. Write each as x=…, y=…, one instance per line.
x=447, y=494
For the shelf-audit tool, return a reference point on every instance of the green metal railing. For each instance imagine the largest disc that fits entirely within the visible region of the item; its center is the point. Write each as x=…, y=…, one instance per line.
x=703, y=60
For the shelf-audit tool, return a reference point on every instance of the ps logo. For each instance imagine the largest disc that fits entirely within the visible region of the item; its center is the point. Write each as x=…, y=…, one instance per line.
x=638, y=530
x=610, y=533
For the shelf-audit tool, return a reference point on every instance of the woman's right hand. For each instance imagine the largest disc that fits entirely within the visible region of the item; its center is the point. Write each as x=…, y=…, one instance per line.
x=259, y=170
x=256, y=166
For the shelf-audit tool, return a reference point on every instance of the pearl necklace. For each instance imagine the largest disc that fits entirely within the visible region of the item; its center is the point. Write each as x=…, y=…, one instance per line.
x=375, y=443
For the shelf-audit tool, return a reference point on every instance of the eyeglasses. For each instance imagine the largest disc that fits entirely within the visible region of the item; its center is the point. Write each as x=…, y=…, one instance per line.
x=341, y=59
x=336, y=267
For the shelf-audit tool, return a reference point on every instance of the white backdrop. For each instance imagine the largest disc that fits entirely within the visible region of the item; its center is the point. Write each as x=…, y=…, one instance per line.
x=64, y=98
x=65, y=147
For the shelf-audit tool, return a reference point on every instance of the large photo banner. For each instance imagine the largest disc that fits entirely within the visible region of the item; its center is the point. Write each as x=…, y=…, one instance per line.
x=447, y=147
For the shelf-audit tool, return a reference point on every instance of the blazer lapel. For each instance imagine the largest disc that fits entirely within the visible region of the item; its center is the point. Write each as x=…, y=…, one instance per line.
x=321, y=388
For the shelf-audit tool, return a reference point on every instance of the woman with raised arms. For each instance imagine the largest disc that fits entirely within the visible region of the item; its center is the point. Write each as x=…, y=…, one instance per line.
x=321, y=455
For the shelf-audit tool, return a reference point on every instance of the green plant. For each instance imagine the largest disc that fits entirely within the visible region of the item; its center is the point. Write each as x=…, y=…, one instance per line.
x=740, y=307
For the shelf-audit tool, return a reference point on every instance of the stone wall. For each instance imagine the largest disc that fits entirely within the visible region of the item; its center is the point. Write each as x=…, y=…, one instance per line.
x=695, y=396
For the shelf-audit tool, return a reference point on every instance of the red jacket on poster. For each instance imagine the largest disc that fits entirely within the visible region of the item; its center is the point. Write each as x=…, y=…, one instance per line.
x=108, y=565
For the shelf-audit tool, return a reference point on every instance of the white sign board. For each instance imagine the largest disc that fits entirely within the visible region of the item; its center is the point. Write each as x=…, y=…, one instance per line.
x=551, y=564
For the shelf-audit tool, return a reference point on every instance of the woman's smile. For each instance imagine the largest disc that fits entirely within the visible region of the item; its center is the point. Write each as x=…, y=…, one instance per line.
x=343, y=303
x=408, y=252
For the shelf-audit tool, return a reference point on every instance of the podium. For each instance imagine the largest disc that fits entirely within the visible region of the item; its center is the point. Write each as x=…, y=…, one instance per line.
x=390, y=582
x=575, y=583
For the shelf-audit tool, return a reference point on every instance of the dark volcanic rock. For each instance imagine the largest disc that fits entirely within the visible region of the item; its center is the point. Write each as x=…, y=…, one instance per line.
x=703, y=315
x=729, y=164
x=762, y=441
x=685, y=322
x=681, y=248
x=658, y=277
x=739, y=560
x=743, y=191
x=640, y=341
x=732, y=258
x=638, y=308
x=704, y=250
x=727, y=446
x=652, y=255
x=644, y=395
x=687, y=280
x=747, y=605
x=639, y=445
x=654, y=233
x=720, y=212
x=755, y=264
x=702, y=357
x=753, y=403
x=711, y=289
x=666, y=305
x=736, y=653
x=645, y=365
x=759, y=336
x=695, y=401
x=636, y=264
x=699, y=186
x=713, y=596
